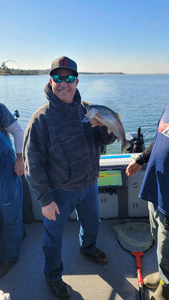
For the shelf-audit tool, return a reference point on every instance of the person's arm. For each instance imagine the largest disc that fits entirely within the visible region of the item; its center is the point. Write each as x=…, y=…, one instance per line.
x=136, y=164
x=34, y=156
x=19, y=165
x=17, y=134
x=145, y=155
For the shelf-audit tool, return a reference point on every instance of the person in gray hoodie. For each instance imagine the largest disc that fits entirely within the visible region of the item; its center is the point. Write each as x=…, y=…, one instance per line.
x=61, y=159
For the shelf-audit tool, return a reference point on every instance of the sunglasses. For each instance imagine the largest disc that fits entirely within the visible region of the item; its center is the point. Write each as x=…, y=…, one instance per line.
x=67, y=79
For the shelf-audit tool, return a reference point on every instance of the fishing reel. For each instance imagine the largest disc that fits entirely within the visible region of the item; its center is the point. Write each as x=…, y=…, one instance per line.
x=16, y=114
x=136, y=141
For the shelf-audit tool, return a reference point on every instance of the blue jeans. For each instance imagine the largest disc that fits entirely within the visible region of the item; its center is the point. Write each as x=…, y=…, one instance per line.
x=162, y=237
x=86, y=204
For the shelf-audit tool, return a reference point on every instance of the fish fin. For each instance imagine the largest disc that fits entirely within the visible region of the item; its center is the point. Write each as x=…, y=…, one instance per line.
x=119, y=116
x=87, y=115
x=85, y=103
x=85, y=119
x=109, y=131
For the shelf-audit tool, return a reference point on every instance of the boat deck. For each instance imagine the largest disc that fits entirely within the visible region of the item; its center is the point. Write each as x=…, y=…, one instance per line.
x=115, y=280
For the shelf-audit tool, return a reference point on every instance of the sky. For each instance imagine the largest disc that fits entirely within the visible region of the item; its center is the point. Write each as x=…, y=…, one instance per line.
x=128, y=36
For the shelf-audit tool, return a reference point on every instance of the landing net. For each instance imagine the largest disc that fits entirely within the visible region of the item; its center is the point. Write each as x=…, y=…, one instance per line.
x=134, y=236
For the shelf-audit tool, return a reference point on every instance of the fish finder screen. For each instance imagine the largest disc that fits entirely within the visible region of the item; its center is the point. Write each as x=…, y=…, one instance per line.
x=110, y=178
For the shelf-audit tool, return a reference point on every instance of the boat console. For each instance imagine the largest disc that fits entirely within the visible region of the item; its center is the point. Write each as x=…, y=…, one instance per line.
x=118, y=194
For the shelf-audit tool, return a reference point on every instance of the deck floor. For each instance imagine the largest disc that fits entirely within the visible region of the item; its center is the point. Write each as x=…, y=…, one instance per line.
x=115, y=280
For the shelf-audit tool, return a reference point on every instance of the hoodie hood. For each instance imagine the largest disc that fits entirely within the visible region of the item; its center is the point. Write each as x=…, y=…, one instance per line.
x=56, y=102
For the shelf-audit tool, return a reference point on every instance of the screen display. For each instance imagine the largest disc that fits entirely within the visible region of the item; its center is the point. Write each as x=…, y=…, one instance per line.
x=110, y=178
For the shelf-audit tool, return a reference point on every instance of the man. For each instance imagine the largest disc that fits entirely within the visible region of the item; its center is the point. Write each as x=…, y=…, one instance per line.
x=11, y=194
x=61, y=156
x=155, y=189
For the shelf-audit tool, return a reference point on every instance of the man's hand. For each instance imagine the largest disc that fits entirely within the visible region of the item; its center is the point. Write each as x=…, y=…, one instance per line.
x=50, y=211
x=19, y=165
x=95, y=122
x=133, y=168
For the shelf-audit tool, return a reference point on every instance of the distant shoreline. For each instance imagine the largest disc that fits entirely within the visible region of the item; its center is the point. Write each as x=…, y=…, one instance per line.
x=46, y=72
x=11, y=72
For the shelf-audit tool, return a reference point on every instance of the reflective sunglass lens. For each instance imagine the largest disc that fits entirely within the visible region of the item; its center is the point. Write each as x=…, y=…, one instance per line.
x=70, y=79
x=56, y=78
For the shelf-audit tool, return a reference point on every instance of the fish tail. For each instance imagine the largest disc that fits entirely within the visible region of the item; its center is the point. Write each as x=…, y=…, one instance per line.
x=125, y=146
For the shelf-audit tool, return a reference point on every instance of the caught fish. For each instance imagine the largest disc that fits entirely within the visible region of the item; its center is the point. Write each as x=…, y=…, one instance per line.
x=110, y=119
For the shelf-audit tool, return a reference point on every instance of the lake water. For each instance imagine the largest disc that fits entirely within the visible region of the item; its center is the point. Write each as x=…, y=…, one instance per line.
x=139, y=99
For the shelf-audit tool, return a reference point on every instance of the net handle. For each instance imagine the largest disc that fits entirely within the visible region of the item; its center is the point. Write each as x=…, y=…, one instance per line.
x=138, y=258
x=139, y=274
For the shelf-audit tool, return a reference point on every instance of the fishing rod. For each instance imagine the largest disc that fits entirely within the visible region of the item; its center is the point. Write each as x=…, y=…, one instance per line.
x=3, y=66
